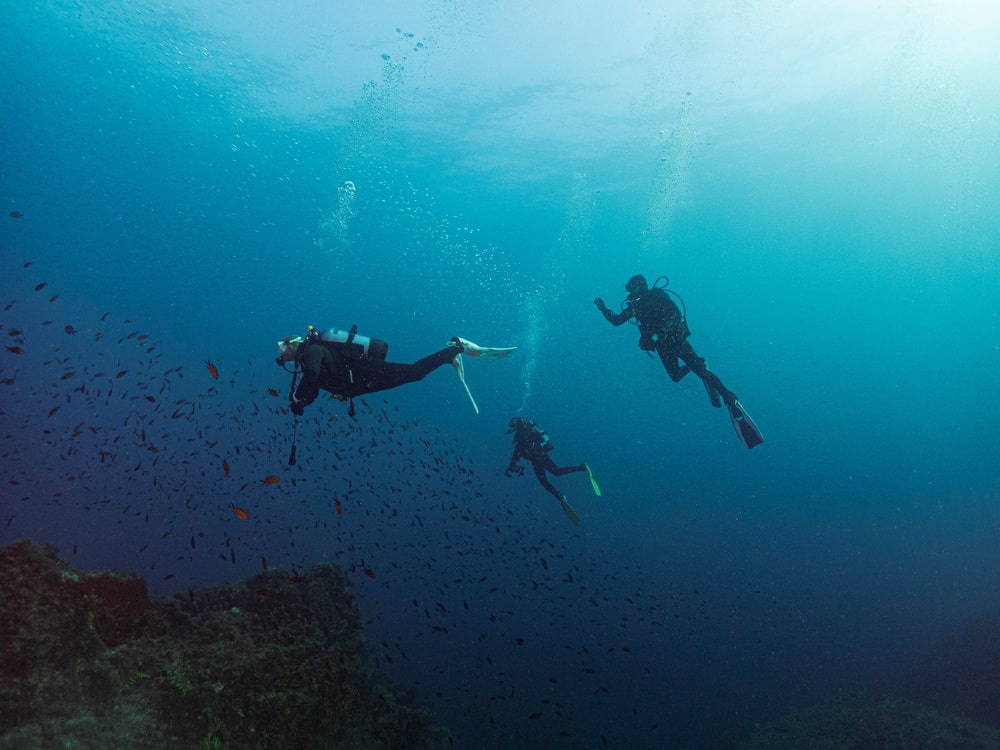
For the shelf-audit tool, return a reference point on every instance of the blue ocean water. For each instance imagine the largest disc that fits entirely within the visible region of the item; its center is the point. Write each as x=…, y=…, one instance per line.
x=193, y=181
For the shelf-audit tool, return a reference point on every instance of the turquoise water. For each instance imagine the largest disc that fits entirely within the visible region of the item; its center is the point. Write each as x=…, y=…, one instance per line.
x=818, y=181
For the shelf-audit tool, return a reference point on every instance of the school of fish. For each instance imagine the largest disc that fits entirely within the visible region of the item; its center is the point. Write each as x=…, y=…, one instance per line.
x=178, y=473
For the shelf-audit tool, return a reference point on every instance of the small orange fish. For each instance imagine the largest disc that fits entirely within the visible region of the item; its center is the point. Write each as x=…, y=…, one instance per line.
x=272, y=479
x=70, y=330
x=273, y=392
x=14, y=349
x=369, y=572
x=337, y=506
x=225, y=467
x=239, y=512
x=212, y=369
x=40, y=287
x=16, y=215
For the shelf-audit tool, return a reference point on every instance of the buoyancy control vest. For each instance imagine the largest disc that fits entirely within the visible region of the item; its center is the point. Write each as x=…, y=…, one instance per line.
x=537, y=438
x=658, y=317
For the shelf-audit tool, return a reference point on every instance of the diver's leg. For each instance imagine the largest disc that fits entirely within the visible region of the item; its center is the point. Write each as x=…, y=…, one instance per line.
x=668, y=356
x=562, y=470
x=426, y=365
x=539, y=468
x=713, y=384
x=371, y=375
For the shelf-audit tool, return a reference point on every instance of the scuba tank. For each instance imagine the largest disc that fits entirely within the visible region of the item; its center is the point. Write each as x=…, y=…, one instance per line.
x=357, y=346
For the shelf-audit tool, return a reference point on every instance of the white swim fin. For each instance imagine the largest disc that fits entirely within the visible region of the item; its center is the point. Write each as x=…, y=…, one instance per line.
x=460, y=369
x=484, y=353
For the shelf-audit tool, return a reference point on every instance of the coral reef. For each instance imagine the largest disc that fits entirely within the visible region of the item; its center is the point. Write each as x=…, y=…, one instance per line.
x=275, y=661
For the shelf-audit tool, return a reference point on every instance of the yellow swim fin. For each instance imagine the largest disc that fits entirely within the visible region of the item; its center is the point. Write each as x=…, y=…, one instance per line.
x=568, y=510
x=593, y=482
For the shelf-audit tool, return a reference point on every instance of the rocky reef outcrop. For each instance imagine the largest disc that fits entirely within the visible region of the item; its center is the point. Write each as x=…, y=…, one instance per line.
x=274, y=661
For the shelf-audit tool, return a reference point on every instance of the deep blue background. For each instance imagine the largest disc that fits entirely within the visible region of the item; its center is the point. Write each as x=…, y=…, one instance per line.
x=837, y=252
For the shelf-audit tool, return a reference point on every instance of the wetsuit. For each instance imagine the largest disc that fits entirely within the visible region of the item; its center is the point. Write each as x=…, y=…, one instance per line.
x=530, y=443
x=333, y=367
x=663, y=329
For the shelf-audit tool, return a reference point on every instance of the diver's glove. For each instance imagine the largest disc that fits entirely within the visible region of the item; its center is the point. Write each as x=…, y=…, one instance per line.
x=600, y=304
x=519, y=470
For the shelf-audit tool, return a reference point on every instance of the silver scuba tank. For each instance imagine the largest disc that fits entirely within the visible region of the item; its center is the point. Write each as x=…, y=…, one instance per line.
x=360, y=345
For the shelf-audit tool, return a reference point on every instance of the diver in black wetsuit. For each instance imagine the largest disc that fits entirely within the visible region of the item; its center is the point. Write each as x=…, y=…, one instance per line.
x=532, y=442
x=348, y=365
x=663, y=329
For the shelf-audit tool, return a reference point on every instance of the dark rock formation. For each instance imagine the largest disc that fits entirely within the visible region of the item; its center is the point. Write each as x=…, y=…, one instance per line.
x=275, y=661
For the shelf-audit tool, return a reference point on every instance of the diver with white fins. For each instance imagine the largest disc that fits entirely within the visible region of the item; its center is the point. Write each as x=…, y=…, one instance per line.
x=663, y=329
x=348, y=365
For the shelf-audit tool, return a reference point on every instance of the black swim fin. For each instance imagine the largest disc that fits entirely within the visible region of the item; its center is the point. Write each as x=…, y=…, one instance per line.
x=745, y=427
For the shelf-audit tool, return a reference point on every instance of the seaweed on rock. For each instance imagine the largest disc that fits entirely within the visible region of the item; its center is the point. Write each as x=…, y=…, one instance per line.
x=274, y=661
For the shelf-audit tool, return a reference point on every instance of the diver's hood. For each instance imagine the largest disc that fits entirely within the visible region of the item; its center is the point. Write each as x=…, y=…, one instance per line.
x=288, y=346
x=637, y=286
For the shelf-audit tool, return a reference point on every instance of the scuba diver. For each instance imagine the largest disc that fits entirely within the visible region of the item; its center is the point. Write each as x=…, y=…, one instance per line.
x=663, y=329
x=532, y=442
x=348, y=365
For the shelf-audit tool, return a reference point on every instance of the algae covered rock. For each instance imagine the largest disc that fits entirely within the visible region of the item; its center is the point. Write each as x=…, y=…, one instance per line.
x=959, y=674
x=275, y=661
x=857, y=721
